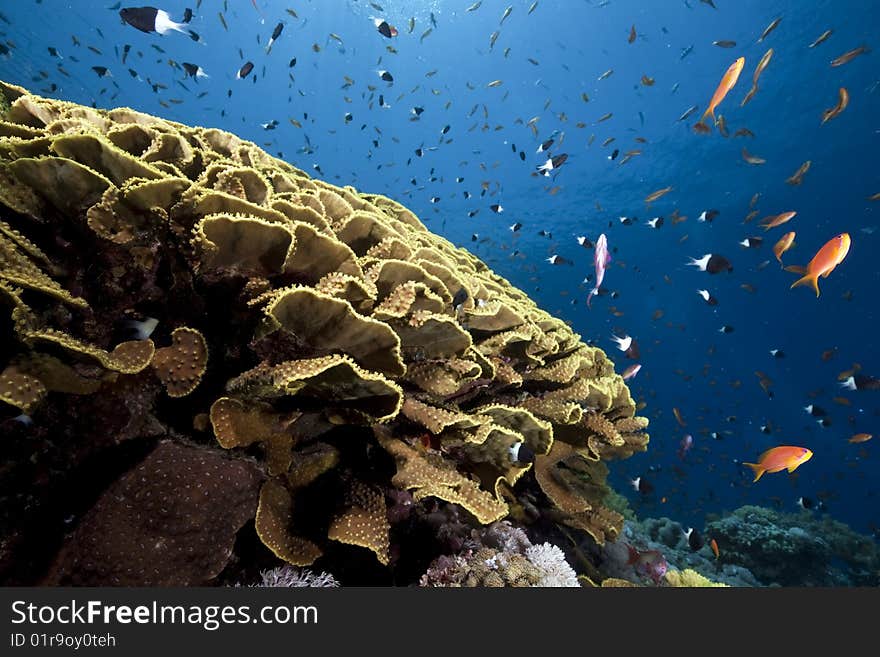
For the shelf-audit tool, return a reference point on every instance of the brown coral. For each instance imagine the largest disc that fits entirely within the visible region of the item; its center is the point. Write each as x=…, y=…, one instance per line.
x=170, y=521
x=364, y=521
x=273, y=521
x=20, y=389
x=180, y=366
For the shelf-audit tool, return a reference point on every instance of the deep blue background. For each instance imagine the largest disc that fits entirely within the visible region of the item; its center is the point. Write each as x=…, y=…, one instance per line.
x=574, y=42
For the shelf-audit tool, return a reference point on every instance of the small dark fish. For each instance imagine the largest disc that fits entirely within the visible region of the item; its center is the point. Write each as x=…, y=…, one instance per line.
x=275, y=34
x=708, y=215
x=861, y=382
x=386, y=76
x=193, y=70
x=150, y=19
x=521, y=454
x=642, y=485
x=805, y=503
x=245, y=70
x=102, y=71
x=712, y=263
x=386, y=30
x=544, y=146
x=694, y=538
x=724, y=44
x=707, y=297
x=815, y=411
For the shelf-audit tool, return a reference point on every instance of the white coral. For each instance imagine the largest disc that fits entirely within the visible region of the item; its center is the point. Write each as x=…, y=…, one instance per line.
x=555, y=571
x=289, y=576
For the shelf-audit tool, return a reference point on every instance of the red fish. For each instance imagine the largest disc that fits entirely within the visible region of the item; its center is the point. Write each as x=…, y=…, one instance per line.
x=631, y=371
x=650, y=563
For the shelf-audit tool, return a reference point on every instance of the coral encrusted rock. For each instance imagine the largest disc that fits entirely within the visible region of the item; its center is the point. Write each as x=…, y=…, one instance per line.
x=160, y=282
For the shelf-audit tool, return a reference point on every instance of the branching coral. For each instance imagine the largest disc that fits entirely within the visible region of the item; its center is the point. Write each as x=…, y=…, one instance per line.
x=287, y=576
x=293, y=316
x=502, y=555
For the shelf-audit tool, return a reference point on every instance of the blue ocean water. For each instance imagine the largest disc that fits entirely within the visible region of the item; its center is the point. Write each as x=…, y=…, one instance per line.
x=548, y=61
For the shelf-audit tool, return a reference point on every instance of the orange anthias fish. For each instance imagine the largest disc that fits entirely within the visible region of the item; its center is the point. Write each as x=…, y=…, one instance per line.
x=824, y=262
x=780, y=458
x=777, y=220
x=783, y=245
x=714, y=545
x=727, y=83
x=860, y=438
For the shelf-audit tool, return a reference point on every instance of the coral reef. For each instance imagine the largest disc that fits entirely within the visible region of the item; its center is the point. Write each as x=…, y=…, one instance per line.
x=319, y=348
x=667, y=537
x=797, y=549
x=757, y=547
x=502, y=555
